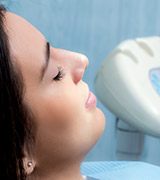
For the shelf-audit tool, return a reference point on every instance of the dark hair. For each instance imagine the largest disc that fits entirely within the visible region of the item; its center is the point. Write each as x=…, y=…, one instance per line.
x=15, y=119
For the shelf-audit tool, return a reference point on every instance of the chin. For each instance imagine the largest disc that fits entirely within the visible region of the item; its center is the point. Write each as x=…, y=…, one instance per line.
x=92, y=133
x=100, y=123
x=99, y=126
x=101, y=119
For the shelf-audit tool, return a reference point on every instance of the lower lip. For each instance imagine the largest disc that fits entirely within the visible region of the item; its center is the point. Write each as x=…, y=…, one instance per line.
x=91, y=101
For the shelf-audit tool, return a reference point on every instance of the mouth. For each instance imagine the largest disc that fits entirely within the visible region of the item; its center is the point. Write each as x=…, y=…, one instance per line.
x=91, y=100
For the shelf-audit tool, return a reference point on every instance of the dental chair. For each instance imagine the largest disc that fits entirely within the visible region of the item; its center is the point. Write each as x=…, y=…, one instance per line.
x=128, y=84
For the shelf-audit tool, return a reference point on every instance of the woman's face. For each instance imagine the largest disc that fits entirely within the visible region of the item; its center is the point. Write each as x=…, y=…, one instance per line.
x=65, y=127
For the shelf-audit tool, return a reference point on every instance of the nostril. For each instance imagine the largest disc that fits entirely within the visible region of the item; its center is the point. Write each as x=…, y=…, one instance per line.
x=79, y=68
x=78, y=75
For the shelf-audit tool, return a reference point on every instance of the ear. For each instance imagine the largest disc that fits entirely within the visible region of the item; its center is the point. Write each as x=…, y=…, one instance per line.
x=29, y=165
x=28, y=162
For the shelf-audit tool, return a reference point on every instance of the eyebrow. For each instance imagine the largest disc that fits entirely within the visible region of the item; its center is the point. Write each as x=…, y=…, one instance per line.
x=47, y=55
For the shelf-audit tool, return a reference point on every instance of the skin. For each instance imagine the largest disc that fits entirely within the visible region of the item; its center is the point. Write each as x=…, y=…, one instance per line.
x=65, y=129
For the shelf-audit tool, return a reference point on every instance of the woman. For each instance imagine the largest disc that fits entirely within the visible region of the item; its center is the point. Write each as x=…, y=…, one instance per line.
x=49, y=119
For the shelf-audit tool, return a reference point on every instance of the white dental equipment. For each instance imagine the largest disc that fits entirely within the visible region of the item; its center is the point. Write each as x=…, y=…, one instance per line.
x=128, y=83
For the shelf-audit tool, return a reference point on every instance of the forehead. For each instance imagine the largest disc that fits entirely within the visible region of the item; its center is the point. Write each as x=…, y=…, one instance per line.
x=26, y=44
x=20, y=30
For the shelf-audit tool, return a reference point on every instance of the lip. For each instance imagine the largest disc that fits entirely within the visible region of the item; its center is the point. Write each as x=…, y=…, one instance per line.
x=91, y=100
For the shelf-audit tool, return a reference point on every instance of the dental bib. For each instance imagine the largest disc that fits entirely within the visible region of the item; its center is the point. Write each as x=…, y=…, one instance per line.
x=120, y=170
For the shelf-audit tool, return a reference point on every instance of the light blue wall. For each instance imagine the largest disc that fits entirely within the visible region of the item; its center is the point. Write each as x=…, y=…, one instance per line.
x=95, y=27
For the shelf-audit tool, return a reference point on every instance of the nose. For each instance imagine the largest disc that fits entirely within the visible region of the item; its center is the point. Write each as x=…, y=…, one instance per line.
x=78, y=68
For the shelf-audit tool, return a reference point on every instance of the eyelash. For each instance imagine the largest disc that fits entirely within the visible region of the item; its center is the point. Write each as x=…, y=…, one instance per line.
x=60, y=74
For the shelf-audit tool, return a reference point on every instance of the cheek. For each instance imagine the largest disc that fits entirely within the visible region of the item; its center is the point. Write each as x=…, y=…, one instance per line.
x=59, y=120
x=60, y=112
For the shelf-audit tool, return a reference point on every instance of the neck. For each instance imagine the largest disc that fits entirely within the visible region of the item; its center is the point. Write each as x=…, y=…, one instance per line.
x=68, y=172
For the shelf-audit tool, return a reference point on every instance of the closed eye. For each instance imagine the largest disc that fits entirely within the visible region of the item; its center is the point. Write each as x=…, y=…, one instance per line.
x=60, y=74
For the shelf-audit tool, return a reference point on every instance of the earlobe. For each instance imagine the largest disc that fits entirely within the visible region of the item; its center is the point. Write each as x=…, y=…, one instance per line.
x=29, y=165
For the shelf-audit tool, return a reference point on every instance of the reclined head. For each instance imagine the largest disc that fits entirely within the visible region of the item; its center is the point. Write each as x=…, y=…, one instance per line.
x=45, y=124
